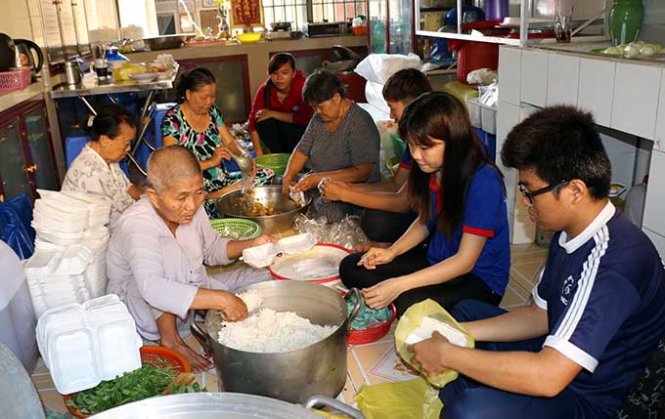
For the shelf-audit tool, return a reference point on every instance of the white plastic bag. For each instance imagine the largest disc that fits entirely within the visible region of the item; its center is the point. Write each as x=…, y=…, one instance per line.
x=378, y=68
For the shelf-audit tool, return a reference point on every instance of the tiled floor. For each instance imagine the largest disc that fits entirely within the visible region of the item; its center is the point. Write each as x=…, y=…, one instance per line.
x=366, y=364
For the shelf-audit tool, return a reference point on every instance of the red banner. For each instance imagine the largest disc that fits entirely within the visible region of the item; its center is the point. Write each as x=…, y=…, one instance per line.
x=246, y=12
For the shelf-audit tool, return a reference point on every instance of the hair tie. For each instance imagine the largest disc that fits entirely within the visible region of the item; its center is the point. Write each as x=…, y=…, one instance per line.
x=91, y=119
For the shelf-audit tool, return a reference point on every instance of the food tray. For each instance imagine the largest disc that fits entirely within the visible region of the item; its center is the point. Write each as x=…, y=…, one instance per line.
x=319, y=265
x=264, y=255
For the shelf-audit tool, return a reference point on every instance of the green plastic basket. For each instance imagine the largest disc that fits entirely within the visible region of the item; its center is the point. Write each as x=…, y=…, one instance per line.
x=399, y=146
x=236, y=228
x=275, y=161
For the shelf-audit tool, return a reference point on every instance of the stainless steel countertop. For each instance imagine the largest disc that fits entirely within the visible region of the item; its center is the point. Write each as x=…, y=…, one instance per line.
x=90, y=87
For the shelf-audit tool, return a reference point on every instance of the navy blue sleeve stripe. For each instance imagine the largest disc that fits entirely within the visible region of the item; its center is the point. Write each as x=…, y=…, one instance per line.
x=578, y=306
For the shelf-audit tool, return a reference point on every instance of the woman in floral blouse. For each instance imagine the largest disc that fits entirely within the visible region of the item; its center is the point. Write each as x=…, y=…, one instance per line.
x=196, y=123
x=96, y=170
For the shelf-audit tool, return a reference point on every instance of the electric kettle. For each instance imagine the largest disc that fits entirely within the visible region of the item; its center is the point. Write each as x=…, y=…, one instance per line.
x=7, y=52
x=25, y=47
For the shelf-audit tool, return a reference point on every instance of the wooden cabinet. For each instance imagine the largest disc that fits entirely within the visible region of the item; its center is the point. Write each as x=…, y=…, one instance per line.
x=27, y=159
x=232, y=74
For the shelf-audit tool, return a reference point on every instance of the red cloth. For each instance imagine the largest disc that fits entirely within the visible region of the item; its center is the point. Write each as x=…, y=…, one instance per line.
x=293, y=103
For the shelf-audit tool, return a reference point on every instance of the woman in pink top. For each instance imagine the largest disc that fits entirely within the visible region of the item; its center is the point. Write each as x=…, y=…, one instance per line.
x=279, y=115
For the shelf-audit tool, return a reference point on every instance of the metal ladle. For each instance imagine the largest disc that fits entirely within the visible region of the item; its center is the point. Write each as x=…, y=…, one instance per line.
x=244, y=162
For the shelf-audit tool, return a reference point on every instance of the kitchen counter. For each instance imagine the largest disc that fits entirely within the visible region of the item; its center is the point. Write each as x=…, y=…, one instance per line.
x=258, y=53
x=33, y=91
x=587, y=49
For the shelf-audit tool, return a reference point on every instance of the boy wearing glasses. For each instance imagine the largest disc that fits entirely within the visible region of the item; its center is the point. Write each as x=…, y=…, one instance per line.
x=598, y=309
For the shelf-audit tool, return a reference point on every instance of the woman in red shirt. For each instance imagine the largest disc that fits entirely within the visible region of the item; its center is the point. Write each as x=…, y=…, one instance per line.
x=279, y=115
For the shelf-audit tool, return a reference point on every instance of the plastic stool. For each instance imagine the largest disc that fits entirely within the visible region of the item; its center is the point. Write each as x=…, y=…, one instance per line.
x=73, y=146
x=157, y=118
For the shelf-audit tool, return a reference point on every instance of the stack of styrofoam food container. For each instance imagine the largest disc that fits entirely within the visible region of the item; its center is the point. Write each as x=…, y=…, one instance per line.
x=85, y=344
x=69, y=263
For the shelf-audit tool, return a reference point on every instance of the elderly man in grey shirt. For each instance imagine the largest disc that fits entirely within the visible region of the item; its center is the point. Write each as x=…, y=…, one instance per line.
x=159, y=251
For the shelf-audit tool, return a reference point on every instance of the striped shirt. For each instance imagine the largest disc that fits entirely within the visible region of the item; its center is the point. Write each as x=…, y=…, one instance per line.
x=604, y=291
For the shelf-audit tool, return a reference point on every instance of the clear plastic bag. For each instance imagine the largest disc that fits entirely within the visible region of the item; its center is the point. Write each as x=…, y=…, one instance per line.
x=346, y=233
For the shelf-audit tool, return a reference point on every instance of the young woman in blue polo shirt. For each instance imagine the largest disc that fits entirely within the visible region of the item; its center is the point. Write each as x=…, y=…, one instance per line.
x=460, y=199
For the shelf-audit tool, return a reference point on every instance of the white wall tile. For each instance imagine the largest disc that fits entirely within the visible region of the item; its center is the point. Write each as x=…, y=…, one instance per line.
x=658, y=240
x=596, y=89
x=654, y=206
x=659, y=137
x=563, y=77
x=533, y=86
x=509, y=74
x=636, y=90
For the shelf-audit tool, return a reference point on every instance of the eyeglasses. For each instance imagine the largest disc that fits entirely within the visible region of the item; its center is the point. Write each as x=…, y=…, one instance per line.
x=529, y=195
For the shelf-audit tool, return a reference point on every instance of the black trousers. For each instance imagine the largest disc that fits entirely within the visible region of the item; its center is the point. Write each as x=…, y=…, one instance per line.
x=447, y=294
x=279, y=136
x=385, y=226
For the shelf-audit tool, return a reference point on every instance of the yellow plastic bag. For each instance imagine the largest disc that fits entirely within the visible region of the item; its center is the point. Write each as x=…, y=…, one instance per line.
x=413, y=399
x=410, y=322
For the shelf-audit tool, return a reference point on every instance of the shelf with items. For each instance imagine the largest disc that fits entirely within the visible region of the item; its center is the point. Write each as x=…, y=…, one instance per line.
x=594, y=18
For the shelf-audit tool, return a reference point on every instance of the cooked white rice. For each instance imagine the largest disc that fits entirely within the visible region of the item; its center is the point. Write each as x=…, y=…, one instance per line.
x=266, y=330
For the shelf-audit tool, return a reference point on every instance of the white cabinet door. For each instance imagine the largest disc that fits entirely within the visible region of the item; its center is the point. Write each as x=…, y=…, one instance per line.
x=563, y=77
x=659, y=138
x=509, y=70
x=654, y=206
x=596, y=89
x=635, y=102
x=507, y=117
x=533, y=86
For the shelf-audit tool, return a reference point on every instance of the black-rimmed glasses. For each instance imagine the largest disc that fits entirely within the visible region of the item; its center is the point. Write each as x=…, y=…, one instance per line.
x=529, y=195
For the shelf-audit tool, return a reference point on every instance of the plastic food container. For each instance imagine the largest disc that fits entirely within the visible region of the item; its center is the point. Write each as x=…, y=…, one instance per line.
x=265, y=254
x=83, y=344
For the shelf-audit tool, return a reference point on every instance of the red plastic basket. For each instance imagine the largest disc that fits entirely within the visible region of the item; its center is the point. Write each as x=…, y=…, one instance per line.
x=359, y=337
x=150, y=355
x=14, y=79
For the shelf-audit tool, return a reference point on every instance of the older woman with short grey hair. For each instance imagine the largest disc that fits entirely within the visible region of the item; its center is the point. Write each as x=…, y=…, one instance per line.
x=341, y=143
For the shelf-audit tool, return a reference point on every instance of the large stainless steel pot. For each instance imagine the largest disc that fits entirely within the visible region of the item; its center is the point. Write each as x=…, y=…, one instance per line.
x=292, y=376
x=231, y=205
x=221, y=406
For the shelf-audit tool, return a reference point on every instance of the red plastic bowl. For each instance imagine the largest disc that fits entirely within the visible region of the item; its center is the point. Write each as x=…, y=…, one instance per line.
x=324, y=281
x=359, y=337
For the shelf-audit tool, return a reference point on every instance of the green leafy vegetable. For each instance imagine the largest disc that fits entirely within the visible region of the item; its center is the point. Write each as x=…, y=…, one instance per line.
x=148, y=381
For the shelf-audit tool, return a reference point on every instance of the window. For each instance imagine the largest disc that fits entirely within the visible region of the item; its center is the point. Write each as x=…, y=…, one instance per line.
x=296, y=11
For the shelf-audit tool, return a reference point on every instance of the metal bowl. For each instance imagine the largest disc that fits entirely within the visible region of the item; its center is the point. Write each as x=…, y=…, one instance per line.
x=166, y=41
x=230, y=205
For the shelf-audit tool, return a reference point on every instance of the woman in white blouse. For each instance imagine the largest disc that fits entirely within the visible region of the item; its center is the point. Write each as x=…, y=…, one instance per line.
x=96, y=169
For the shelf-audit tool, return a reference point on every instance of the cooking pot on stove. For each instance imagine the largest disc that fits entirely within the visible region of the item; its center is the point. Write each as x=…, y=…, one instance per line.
x=293, y=376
